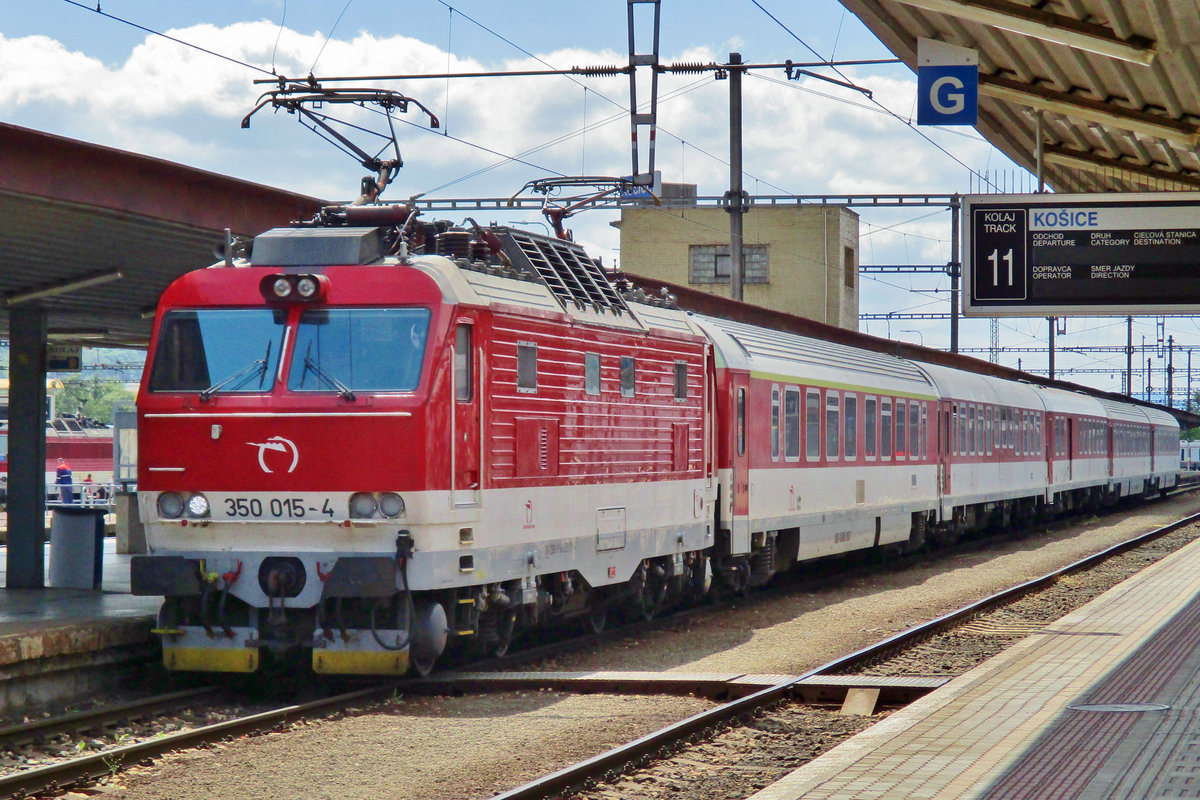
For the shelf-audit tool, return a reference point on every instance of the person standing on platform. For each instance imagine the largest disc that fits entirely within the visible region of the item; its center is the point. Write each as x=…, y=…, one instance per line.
x=62, y=477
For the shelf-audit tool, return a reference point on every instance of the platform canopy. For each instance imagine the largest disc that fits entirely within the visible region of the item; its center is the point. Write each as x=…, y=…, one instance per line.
x=1115, y=82
x=93, y=235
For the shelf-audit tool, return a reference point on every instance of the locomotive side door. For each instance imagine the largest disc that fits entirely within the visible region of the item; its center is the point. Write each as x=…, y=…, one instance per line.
x=740, y=517
x=465, y=451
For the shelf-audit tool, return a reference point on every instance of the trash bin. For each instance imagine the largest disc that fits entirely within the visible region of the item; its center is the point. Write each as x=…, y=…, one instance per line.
x=76, y=547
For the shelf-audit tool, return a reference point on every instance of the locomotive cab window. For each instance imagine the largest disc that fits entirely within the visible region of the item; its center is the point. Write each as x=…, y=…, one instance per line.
x=359, y=349
x=217, y=351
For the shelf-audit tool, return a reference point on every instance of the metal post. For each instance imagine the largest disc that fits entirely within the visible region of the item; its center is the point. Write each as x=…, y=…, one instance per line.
x=736, y=197
x=27, y=448
x=1129, y=356
x=1149, y=380
x=1051, y=320
x=1040, y=151
x=955, y=270
x=1170, y=372
x=1188, y=405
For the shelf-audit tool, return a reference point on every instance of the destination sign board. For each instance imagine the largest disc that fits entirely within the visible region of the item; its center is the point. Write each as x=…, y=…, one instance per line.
x=1081, y=254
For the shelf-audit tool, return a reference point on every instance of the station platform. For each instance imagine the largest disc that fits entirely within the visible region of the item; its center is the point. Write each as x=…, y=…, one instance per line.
x=60, y=644
x=1104, y=703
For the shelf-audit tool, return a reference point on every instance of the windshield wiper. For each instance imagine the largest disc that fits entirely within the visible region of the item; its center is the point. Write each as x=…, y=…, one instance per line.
x=311, y=366
x=258, y=365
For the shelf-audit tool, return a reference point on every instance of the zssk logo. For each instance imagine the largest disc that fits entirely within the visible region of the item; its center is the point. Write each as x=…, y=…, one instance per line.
x=276, y=444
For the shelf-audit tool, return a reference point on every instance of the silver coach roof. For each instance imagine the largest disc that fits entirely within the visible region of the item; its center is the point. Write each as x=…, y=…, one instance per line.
x=767, y=352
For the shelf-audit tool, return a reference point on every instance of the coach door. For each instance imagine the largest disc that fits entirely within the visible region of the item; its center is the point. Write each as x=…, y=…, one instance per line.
x=740, y=523
x=944, y=440
x=465, y=455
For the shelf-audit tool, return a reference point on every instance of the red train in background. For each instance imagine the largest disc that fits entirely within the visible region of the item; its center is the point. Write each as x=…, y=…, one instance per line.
x=373, y=439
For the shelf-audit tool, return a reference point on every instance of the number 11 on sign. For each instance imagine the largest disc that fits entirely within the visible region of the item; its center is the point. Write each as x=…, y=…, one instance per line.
x=996, y=258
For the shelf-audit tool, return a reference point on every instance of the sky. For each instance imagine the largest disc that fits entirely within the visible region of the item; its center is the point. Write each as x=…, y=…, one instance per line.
x=71, y=71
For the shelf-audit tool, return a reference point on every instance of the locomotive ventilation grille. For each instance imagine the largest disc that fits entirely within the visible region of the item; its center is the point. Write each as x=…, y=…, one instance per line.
x=564, y=267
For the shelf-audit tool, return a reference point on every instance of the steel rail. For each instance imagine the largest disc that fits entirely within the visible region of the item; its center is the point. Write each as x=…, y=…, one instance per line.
x=92, y=719
x=577, y=774
x=55, y=777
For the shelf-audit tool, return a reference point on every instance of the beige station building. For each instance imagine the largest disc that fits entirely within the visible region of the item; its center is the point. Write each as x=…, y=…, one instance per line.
x=799, y=259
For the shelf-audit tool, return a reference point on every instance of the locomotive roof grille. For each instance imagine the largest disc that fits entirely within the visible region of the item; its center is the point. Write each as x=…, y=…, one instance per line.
x=564, y=267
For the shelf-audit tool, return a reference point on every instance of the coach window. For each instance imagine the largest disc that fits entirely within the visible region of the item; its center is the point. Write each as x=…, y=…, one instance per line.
x=885, y=428
x=850, y=414
x=971, y=431
x=961, y=422
x=991, y=431
x=591, y=373
x=914, y=422
x=791, y=423
x=526, y=367
x=812, y=425
x=980, y=433
x=462, y=364
x=901, y=450
x=870, y=422
x=774, y=423
x=741, y=421
x=833, y=424
x=628, y=376
x=681, y=380
x=924, y=431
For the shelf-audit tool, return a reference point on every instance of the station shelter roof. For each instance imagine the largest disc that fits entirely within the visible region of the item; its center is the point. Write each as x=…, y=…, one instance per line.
x=74, y=216
x=1115, y=82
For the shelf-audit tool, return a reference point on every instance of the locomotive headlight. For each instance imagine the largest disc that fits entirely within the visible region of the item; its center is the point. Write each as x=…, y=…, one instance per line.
x=197, y=506
x=307, y=287
x=170, y=505
x=391, y=505
x=282, y=287
x=362, y=505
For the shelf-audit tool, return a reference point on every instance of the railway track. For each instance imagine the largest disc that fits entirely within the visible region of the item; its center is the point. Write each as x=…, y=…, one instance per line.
x=670, y=737
x=739, y=695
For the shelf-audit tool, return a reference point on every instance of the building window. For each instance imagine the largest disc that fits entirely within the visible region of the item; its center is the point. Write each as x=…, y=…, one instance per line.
x=591, y=373
x=850, y=266
x=526, y=367
x=709, y=263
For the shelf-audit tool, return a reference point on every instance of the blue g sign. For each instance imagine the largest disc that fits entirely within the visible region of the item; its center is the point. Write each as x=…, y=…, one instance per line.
x=947, y=95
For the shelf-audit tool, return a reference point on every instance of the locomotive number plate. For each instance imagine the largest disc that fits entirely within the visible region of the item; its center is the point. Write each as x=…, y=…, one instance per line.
x=272, y=508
